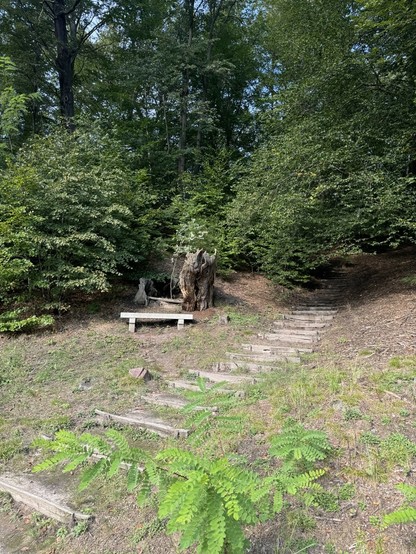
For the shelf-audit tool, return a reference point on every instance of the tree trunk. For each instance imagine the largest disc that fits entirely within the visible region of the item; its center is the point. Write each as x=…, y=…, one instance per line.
x=189, y=17
x=196, y=281
x=64, y=62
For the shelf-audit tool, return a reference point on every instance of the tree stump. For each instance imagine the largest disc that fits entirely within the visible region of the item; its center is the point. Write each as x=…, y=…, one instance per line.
x=196, y=281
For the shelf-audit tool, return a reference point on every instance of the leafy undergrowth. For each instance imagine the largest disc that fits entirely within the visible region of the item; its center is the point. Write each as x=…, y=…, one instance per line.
x=359, y=389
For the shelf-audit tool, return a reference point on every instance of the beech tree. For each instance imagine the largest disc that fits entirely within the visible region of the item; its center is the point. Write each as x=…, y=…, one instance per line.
x=336, y=173
x=47, y=37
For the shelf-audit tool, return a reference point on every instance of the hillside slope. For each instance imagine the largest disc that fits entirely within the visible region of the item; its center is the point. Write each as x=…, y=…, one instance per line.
x=358, y=387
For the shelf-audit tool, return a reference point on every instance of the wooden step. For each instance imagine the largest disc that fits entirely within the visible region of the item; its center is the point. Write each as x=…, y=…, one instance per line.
x=309, y=317
x=314, y=333
x=333, y=279
x=334, y=298
x=279, y=350
x=331, y=305
x=144, y=420
x=266, y=356
x=300, y=345
x=186, y=385
x=242, y=364
x=218, y=377
x=313, y=307
x=289, y=339
x=272, y=351
x=30, y=491
x=287, y=324
x=315, y=312
x=172, y=401
x=334, y=283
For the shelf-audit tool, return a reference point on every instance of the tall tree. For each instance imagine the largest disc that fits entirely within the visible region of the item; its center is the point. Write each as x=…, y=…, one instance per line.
x=47, y=37
x=335, y=172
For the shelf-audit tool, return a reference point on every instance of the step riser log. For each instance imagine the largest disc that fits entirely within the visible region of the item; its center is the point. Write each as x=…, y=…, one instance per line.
x=40, y=499
x=143, y=422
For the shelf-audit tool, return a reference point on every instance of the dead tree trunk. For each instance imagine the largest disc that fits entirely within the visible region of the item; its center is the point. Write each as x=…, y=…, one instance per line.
x=196, y=281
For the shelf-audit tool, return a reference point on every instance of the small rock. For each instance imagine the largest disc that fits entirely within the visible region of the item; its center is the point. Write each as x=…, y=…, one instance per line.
x=140, y=373
x=85, y=384
x=224, y=319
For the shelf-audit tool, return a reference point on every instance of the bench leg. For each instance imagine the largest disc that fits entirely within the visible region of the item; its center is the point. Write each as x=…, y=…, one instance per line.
x=132, y=325
x=181, y=323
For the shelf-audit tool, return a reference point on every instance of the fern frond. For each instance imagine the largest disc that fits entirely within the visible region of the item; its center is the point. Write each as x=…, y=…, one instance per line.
x=145, y=490
x=197, y=418
x=293, y=483
x=202, y=384
x=192, y=533
x=409, y=491
x=94, y=443
x=66, y=439
x=172, y=501
x=76, y=462
x=133, y=477
x=180, y=460
x=235, y=540
x=277, y=501
x=405, y=514
x=297, y=444
x=92, y=473
x=402, y=515
x=114, y=463
x=50, y=462
x=216, y=527
x=196, y=492
x=153, y=473
x=121, y=443
x=139, y=456
x=42, y=443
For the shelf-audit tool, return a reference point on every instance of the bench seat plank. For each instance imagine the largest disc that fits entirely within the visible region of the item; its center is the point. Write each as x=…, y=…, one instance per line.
x=151, y=315
x=133, y=316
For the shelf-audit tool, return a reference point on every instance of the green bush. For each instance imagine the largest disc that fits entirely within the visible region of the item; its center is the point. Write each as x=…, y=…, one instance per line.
x=72, y=214
x=14, y=321
x=294, y=212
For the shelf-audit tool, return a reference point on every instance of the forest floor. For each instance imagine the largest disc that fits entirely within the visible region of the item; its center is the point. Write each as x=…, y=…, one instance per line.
x=359, y=387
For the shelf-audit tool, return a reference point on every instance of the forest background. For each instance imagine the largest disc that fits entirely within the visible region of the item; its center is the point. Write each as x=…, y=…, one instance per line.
x=280, y=133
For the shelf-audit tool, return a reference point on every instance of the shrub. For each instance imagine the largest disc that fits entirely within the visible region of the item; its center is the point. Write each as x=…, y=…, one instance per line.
x=207, y=501
x=71, y=215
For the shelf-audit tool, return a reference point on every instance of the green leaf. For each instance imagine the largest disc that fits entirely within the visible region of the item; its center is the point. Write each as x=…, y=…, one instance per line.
x=92, y=473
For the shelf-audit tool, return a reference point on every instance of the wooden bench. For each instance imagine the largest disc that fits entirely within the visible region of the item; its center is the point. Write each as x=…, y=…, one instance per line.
x=150, y=315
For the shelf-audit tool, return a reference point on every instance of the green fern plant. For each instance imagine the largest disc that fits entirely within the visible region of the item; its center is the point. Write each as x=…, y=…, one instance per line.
x=299, y=448
x=211, y=502
x=207, y=501
x=97, y=455
x=406, y=513
x=214, y=422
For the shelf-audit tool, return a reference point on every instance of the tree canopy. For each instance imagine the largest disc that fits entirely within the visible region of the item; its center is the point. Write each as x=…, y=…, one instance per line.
x=283, y=130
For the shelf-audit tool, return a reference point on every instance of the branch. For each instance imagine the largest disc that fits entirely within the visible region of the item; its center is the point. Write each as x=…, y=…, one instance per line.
x=48, y=5
x=92, y=31
x=74, y=7
x=32, y=26
x=195, y=9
